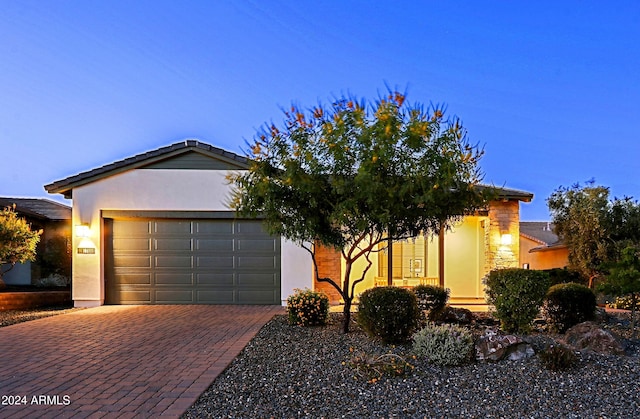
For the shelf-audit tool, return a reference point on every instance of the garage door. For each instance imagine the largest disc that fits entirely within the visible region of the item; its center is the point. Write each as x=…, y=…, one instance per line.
x=181, y=261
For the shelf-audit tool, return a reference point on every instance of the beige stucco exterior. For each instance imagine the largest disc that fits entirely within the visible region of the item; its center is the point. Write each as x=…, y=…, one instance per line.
x=157, y=190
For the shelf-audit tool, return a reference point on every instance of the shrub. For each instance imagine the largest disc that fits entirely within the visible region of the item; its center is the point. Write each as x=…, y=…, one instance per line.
x=558, y=358
x=308, y=308
x=517, y=295
x=373, y=367
x=564, y=276
x=388, y=313
x=569, y=304
x=432, y=299
x=624, y=303
x=54, y=280
x=446, y=344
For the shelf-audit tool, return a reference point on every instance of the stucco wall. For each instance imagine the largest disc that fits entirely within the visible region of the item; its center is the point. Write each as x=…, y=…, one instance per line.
x=158, y=190
x=554, y=257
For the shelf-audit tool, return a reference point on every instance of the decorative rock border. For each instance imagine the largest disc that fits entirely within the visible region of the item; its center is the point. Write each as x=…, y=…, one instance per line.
x=25, y=300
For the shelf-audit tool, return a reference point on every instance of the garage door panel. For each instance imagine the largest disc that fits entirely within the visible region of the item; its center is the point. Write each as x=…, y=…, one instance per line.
x=213, y=245
x=123, y=261
x=215, y=262
x=135, y=297
x=132, y=244
x=174, y=279
x=216, y=296
x=256, y=262
x=256, y=245
x=173, y=296
x=256, y=297
x=214, y=227
x=132, y=228
x=257, y=279
x=133, y=279
x=172, y=228
x=221, y=279
x=181, y=261
x=173, y=244
x=173, y=261
x=249, y=227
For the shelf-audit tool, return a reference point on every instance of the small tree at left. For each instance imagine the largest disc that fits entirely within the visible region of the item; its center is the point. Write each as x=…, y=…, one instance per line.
x=17, y=241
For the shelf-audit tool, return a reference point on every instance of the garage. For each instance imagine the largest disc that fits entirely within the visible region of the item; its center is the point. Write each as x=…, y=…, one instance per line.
x=190, y=261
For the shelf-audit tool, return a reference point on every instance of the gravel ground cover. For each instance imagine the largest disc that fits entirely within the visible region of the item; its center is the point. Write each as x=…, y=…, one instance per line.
x=9, y=317
x=295, y=372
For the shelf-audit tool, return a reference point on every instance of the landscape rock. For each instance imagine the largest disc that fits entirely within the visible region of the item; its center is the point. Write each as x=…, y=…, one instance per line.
x=457, y=315
x=492, y=346
x=588, y=336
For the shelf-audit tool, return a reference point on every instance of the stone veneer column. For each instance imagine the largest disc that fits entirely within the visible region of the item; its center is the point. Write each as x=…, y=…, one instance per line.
x=329, y=266
x=504, y=218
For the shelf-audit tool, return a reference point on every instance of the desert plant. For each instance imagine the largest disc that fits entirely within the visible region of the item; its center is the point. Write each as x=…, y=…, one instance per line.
x=17, y=241
x=308, y=308
x=388, y=313
x=373, y=367
x=558, y=358
x=624, y=303
x=432, y=299
x=445, y=344
x=566, y=305
x=516, y=295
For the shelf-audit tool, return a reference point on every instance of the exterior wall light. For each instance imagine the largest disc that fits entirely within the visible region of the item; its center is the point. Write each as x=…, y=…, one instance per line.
x=82, y=231
x=506, y=240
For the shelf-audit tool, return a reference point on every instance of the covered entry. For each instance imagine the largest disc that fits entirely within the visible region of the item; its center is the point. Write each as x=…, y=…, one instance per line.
x=190, y=261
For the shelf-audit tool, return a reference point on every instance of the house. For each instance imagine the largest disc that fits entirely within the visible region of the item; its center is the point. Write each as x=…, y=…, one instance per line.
x=54, y=219
x=156, y=228
x=540, y=247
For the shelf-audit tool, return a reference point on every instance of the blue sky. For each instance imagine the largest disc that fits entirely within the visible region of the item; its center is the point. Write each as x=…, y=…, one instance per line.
x=551, y=89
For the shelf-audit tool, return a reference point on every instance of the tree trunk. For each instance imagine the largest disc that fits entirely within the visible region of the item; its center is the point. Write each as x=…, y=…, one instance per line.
x=347, y=315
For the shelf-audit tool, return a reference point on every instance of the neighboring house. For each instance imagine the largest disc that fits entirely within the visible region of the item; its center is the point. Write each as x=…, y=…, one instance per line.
x=540, y=247
x=54, y=219
x=156, y=228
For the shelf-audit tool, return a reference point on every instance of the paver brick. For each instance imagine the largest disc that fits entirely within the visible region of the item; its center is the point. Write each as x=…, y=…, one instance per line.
x=123, y=361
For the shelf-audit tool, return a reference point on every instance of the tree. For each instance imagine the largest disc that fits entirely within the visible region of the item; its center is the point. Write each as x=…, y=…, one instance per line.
x=345, y=175
x=17, y=241
x=581, y=220
x=624, y=279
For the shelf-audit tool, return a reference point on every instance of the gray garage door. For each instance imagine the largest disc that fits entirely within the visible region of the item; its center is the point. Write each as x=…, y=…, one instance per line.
x=180, y=261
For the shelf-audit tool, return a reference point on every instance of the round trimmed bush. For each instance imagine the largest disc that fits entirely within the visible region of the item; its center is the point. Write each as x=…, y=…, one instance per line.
x=432, y=299
x=388, y=313
x=308, y=308
x=517, y=295
x=569, y=304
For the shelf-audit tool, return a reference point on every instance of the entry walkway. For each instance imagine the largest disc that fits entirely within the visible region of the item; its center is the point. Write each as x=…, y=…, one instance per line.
x=121, y=361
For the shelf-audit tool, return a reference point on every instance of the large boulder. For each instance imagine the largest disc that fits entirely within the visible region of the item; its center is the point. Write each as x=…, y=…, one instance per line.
x=456, y=315
x=588, y=336
x=492, y=346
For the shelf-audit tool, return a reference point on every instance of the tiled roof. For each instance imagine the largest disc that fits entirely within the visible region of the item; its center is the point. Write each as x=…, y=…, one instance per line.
x=38, y=207
x=508, y=193
x=539, y=231
x=65, y=186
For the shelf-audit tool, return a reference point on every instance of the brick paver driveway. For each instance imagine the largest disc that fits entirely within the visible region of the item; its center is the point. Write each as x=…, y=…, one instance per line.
x=121, y=361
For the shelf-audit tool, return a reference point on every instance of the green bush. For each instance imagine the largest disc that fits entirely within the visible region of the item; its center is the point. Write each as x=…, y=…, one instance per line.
x=443, y=345
x=564, y=276
x=308, y=308
x=567, y=305
x=516, y=295
x=558, y=358
x=432, y=299
x=388, y=313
